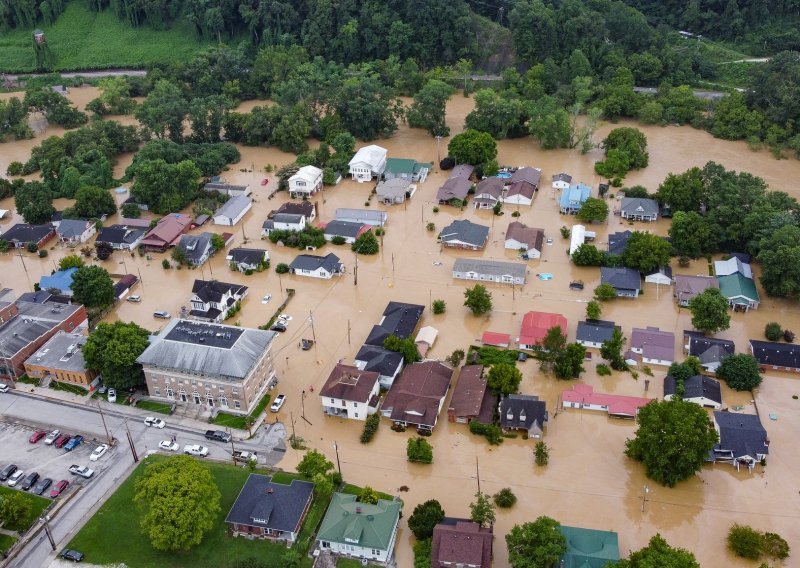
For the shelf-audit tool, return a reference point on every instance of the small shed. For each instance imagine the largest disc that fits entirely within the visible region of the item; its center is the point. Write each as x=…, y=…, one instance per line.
x=425, y=339
x=496, y=339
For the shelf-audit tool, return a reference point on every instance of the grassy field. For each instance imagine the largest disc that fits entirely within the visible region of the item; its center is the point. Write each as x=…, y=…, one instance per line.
x=81, y=39
x=237, y=421
x=38, y=504
x=113, y=535
x=153, y=406
x=6, y=542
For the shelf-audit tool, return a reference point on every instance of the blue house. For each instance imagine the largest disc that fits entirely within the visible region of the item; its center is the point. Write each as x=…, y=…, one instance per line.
x=61, y=281
x=573, y=197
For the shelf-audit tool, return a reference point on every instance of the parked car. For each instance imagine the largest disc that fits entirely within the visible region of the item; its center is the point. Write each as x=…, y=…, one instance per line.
x=15, y=477
x=98, y=452
x=42, y=485
x=277, y=403
x=36, y=436
x=154, y=422
x=3, y=387
x=161, y=314
x=61, y=440
x=81, y=470
x=51, y=437
x=243, y=456
x=168, y=445
x=266, y=298
x=265, y=181
x=71, y=555
x=195, y=450
x=218, y=436
x=73, y=443
x=59, y=488
x=7, y=472
x=29, y=481
x=278, y=327
x=112, y=395
x=134, y=298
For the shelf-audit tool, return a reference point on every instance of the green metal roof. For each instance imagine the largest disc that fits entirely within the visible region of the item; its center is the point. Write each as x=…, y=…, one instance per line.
x=406, y=166
x=737, y=286
x=589, y=548
x=349, y=522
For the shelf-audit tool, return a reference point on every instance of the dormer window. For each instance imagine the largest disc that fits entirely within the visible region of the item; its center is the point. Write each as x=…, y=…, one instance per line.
x=522, y=415
x=509, y=415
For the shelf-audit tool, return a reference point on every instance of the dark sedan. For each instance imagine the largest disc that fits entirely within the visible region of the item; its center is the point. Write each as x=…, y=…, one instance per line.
x=41, y=486
x=29, y=481
x=7, y=471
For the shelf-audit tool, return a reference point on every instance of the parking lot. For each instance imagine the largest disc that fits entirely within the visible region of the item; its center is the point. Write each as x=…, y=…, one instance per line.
x=47, y=460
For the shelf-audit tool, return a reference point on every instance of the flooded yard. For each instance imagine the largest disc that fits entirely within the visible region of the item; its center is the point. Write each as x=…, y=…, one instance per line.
x=588, y=482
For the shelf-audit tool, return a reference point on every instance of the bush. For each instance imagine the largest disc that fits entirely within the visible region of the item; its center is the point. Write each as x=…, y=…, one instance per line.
x=773, y=331
x=603, y=370
x=43, y=253
x=788, y=336
x=684, y=261
x=131, y=211
x=745, y=541
x=492, y=432
x=542, y=453
x=439, y=306
x=419, y=450
x=505, y=498
x=774, y=545
x=431, y=227
x=370, y=428
x=14, y=169
x=564, y=232
x=338, y=240
x=31, y=247
x=435, y=209
x=165, y=263
x=515, y=214
x=282, y=268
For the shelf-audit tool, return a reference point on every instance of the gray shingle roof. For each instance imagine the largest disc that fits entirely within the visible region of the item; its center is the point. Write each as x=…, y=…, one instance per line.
x=69, y=228
x=276, y=506
x=618, y=242
x=742, y=434
x=595, y=331
x=535, y=411
x=776, y=354
x=343, y=228
x=378, y=359
x=186, y=346
x=246, y=255
x=695, y=387
x=639, y=206
x=621, y=278
x=465, y=231
x=213, y=290
x=329, y=262
x=490, y=267
x=195, y=246
x=399, y=319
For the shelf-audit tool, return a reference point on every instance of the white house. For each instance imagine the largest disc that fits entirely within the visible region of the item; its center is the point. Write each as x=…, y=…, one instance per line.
x=246, y=258
x=698, y=389
x=317, y=266
x=387, y=364
x=369, y=162
x=522, y=238
x=306, y=181
x=233, y=210
x=579, y=236
x=75, y=231
x=283, y=222
x=655, y=347
x=350, y=393
x=562, y=181
x=211, y=299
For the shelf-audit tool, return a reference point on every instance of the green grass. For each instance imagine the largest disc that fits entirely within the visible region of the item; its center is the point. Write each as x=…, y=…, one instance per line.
x=348, y=563
x=488, y=356
x=112, y=534
x=237, y=421
x=81, y=39
x=355, y=490
x=28, y=380
x=285, y=477
x=6, y=542
x=74, y=389
x=38, y=504
x=154, y=406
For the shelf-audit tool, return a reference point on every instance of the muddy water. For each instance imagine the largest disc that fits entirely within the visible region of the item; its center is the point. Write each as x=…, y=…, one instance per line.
x=588, y=482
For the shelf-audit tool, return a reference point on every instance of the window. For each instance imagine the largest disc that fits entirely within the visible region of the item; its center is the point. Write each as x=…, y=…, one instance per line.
x=355, y=415
x=170, y=392
x=333, y=401
x=355, y=405
x=237, y=404
x=157, y=391
x=223, y=402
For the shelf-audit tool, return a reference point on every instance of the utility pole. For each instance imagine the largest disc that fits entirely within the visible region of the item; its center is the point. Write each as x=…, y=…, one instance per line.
x=103, y=418
x=46, y=521
x=27, y=276
x=313, y=333
x=355, y=272
x=294, y=436
x=130, y=443
x=348, y=332
x=233, y=449
x=338, y=463
x=303, y=408
x=392, y=267
x=141, y=281
x=478, y=474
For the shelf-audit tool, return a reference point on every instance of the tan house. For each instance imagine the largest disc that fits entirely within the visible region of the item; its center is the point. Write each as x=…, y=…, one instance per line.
x=61, y=359
x=209, y=364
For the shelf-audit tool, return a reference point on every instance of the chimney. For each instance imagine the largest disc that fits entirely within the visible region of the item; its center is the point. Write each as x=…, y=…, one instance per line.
x=270, y=490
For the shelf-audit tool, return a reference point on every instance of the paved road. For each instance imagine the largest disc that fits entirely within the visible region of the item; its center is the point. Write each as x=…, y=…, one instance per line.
x=87, y=74
x=38, y=412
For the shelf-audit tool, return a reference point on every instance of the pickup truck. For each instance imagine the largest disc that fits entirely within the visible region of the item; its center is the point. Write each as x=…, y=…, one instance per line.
x=244, y=457
x=81, y=470
x=218, y=436
x=195, y=450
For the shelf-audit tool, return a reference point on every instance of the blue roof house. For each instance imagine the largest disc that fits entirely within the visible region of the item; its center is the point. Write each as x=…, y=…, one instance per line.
x=61, y=281
x=574, y=197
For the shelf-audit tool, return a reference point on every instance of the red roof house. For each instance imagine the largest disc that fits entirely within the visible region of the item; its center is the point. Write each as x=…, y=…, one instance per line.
x=583, y=396
x=535, y=325
x=460, y=542
x=167, y=231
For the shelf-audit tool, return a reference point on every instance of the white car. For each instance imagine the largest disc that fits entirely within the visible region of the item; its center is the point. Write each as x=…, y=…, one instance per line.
x=112, y=395
x=81, y=470
x=98, y=452
x=136, y=298
x=266, y=298
x=3, y=387
x=168, y=445
x=15, y=478
x=277, y=403
x=51, y=437
x=285, y=317
x=154, y=422
x=196, y=450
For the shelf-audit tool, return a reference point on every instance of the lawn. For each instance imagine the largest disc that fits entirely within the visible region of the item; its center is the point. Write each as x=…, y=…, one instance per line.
x=81, y=39
x=489, y=356
x=112, y=535
x=355, y=490
x=154, y=406
x=6, y=542
x=237, y=421
x=38, y=504
x=74, y=389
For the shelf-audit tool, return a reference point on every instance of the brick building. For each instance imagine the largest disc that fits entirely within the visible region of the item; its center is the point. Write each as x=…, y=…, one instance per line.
x=61, y=359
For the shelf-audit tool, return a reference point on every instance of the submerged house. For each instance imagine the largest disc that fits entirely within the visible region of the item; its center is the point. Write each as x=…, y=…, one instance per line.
x=742, y=439
x=523, y=412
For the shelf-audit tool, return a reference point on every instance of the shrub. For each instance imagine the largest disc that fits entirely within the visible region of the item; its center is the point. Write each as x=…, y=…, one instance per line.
x=370, y=428
x=745, y=541
x=42, y=253
x=788, y=336
x=773, y=331
x=380, y=231
x=455, y=358
x=435, y=209
x=542, y=453
x=505, y=498
x=431, y=227
x=14, y=169
x=684, y=261
x=603, y=370
x=338, y=240
x=564, y=232
x=774, y=545
x=492, y=432
x=282, y=268
x=165, y=263
x=31, y=247
x=439, y=306
x=515, y=214
x=419, y=450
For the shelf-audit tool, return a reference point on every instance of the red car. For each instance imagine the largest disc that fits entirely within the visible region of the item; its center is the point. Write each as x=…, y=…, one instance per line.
x=59, y=488
x=265, y=181
x=62, y=440
x=36, y=436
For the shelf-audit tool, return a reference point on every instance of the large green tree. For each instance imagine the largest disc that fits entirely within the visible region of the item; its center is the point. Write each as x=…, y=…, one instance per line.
x=165, y=188
x=611, y=350
x=14, y=508
x=478, y=299
x=472, y=147
x=594, y=210
x=503, y=115
x=780, y=262
x=740, y=371
x=92, y=286
x=683, y=192
x=710, y=311
x=92, y=203
x=425, y=516
x=569, y=362
x=179, y=502
x=482, y=510
x=658, y=553
x=672, y=441
x=313, y=463
x=366, y=243
x=690, y=234
x=428, y=109
x=367, y=109
x=406, y=346
x=34, y=202
x=630, y=143
x=537, y=544
x=163, y=111
x=646, y=252
x=112, y=350
x=504, y=378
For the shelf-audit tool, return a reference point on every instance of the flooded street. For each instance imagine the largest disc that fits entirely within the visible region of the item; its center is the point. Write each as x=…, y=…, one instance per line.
x=589, y=482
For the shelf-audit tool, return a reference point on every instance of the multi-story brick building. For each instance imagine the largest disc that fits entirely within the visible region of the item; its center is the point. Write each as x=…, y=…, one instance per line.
x=209, y=364
x=61, y=359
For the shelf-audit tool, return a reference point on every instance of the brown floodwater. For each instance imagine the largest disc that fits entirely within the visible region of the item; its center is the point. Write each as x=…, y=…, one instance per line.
x=588, y=482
